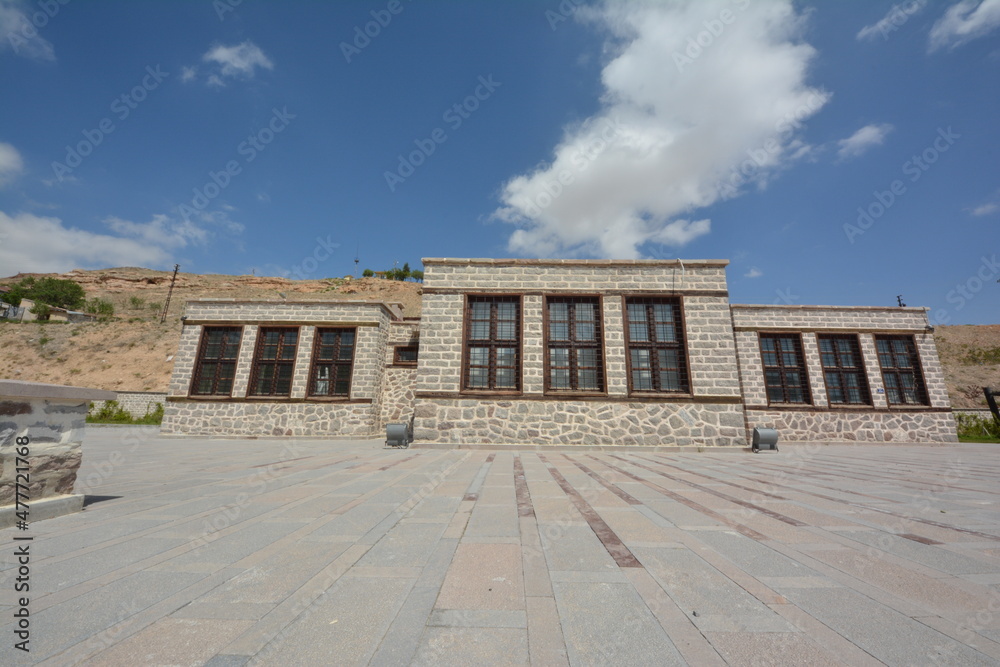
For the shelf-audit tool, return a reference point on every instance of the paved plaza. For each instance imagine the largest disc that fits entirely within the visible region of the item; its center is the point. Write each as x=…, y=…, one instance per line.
x=195, y=551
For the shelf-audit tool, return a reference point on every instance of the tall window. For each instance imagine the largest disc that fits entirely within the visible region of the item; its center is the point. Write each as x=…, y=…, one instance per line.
x=332, y=361
x=656, y=355
x=274, y=362
x=215, y=367
x=492, y=343
x=784, y=368
x=574, y=344
x=904, y=383
x=843, y=370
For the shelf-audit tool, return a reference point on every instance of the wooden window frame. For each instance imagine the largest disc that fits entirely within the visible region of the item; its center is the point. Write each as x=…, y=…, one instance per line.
x=200, y=360
x=335, y=362
x=801, y=367
x=259, y=363
x=916, y=368
x=680, y=345
x=493, y=343
x=574, y=346
x=396, y=361
x=840, y=369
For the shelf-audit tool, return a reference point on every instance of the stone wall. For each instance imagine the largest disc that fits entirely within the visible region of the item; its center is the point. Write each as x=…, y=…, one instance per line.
x=295, y=415
x=856, y=425
x=136, y=403
x=52, y=419
x=398, y=395
x=818, y=421
x=555, y=422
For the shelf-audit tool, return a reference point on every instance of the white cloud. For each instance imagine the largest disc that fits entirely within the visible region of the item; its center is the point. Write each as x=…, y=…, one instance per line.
x=964, y=22
x=859, y=142
x=754, y=272
x=188, y=74
x=240, y=61
x=19, y=34
x=160, y=231
x=676, y=122
x=10, y=163
x=985, y=209
x=32, y=243
x=895, y=17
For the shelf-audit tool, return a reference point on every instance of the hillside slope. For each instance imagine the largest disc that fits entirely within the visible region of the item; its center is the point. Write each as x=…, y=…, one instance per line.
x=134, y=352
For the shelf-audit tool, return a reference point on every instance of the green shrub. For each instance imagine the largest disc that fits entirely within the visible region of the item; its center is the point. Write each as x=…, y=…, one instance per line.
x=41, y=311
x=136, y=303
x=367, y=273
x=977, y=429
x=99, y=307
x=112, y=413
x=57, y=292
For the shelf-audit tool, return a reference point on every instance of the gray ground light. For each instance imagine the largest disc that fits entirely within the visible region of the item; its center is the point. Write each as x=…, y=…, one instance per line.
x=195, y=551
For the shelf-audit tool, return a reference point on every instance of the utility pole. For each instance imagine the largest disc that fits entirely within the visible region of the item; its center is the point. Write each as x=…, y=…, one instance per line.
x=899, y=300
x=166, y=304
x=356, y=250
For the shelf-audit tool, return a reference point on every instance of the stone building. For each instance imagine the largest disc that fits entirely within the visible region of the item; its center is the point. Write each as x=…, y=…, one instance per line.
x=517, y=351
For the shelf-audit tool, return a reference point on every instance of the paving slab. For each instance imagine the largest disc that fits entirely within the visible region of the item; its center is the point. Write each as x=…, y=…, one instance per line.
x=228, y=552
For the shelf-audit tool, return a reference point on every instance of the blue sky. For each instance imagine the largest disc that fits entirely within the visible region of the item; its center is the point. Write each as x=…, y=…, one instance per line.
x=836, y=153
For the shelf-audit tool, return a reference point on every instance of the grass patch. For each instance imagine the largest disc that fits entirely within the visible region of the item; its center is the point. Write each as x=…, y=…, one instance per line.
x=973, y=428
x=113, y=413
x=981, y=357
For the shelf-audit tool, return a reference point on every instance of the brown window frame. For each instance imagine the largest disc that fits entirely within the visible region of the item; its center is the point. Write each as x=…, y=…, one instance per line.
x=493, y=343
x=653, y=345
x=840, y=371
x=574, y=345
x=920, y=387
x=783, y=369
x=396, y=361
x=277, y=362
x=200, y=360
x=334, y=362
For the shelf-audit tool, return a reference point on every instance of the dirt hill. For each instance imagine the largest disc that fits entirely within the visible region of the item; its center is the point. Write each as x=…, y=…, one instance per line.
x=134, y=352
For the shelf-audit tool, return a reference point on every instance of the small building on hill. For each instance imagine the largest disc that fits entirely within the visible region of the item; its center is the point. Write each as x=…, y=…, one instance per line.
x=591, y=352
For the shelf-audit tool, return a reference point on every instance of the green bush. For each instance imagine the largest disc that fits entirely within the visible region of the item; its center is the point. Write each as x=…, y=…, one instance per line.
x=367, y=273
x=977, y=429
x=112, y=413
x=99, y=307
x=136, y=303
x=41, y=311
x=57, y=292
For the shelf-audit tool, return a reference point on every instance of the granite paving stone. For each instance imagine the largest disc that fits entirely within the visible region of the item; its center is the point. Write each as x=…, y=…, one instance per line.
x=271, y=551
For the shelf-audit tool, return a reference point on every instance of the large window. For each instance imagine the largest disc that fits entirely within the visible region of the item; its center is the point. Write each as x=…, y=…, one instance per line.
x=843, y=370
x=332, y=362
x=274, y=362
x=784, y=368
x=656, y=353
x=215, y=367
x=492, y=343
x=904, y=383
x=574, y=344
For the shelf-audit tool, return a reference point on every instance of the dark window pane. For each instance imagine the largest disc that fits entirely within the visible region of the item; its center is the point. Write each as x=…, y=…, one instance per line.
x=585, y=331
x=559, y=330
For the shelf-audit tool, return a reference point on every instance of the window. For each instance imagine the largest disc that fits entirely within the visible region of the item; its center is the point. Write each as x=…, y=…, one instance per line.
x=657, y=358
x=843, y=370
x=332, y=362
x=574, y=344
x=216, y=365
x=274, y=362
x=784, y=368
x=904, y=383
x=405, y=355
x=492, y=343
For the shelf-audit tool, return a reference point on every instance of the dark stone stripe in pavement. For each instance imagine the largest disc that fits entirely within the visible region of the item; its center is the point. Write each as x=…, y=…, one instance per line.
x=524, y=507
x=624, y=495
x=698, y=507
x=396, y=463
x=714, y=479
x=608, y=538
x=725, y=496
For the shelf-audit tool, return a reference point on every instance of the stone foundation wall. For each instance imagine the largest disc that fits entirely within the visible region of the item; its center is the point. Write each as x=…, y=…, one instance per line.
x=856, y=426
x=269, y=419
x=136, y=403
x=554, y=422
